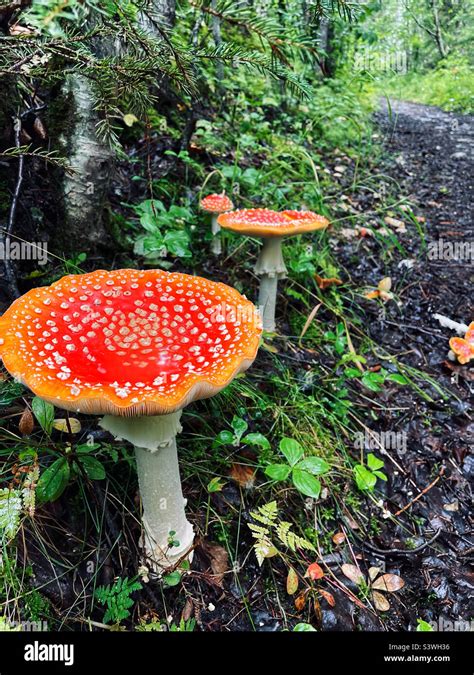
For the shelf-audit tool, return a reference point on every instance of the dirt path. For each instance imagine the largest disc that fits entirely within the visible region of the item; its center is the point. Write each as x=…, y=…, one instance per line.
x=430, y=156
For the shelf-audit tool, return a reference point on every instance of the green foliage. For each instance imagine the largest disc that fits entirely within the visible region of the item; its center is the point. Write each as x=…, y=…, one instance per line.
x=44, y=413
x=302, y=470
x=166, y=231
x=9, y=392
x=366, y=476
x=117, y=599
x=268, y=528
x=450, y=86
x=423, y=626
x=236, y=436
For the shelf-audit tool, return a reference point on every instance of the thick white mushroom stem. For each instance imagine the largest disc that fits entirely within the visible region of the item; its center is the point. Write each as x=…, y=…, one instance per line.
x=159, y=479
x=216, y=246
x=270, y=267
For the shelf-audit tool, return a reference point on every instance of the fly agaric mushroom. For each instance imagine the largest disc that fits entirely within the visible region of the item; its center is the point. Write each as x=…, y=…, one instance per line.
x=136, y=347
x=464, y=347
x=216, y=204
x=272, y=227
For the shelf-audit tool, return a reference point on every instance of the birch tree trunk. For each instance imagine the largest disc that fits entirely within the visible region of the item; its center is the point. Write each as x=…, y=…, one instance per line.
x=85, y=191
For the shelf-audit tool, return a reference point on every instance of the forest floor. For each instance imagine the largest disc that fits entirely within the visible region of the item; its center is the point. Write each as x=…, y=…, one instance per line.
x=430, y=156
x=428, y=164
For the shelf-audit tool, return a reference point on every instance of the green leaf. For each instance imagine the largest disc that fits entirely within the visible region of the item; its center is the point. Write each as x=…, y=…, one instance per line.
x=373, y=381
x=374, y=462
x=239, y=426
x=292, y=450
x=85, y=448
x=215, y=485
x=306, y=483
x=257, y=439
x=380, y=475
x=396, y=377
x=44, y=413
x=278, y=471
x=423, y=626
x=177, y=243
x=94, y=469
x=53, y=481
x=223, y=438
x=304, y=628
x=9, y=392
x=10, y=511
x=352, y=372
x=314, y=465
x=172, y=579
x=364, y=478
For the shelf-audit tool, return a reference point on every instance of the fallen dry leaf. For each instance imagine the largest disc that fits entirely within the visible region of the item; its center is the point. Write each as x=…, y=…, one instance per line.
x=399, y=225
x=219, y=560
x=353, y=573
x=292, y=582
x=73, y=427
x=338, y=538
x=389, y=583
x=327, y=283
x=380, y=602
x=329, y=597
x=314, y=572
x=300, y=601
x=385, y=284
x=374, y=572
x=243, y=474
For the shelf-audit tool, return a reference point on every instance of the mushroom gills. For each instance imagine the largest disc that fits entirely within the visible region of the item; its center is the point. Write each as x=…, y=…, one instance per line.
x=164, y=517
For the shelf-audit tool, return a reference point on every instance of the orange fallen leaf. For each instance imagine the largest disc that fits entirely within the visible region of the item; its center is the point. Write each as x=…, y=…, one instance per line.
x=329, y=597
x=314, y=572
x=464, y=347
x=300, y=601
x=338, y=538
x=243, y=474
x=327, y=283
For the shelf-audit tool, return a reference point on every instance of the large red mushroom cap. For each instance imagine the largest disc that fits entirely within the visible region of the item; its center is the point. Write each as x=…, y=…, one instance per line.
x=129, y=342
x=464, y=347
x=216, y=203
x=268, y=223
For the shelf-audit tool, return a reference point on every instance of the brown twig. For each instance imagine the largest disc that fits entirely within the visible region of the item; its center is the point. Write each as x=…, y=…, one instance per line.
x=423, y=492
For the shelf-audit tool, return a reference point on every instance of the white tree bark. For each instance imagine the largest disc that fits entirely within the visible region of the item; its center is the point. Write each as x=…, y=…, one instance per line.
x=85, y=191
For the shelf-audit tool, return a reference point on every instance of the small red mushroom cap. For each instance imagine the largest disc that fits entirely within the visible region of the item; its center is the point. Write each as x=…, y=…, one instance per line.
x=464, y=347
x=129, y=342
x=216, y=203
x=268, y=223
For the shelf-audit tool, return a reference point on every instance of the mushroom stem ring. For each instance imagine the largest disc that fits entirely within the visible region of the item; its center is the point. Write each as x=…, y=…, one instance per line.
x=167, y=534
